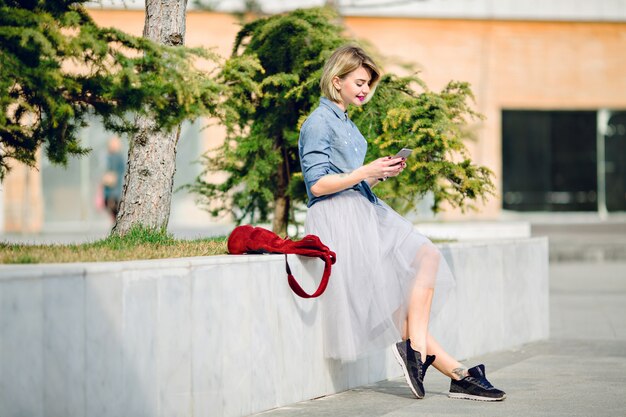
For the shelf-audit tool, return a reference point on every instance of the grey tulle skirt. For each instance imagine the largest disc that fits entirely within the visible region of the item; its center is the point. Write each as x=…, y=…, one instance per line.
x=380, y=258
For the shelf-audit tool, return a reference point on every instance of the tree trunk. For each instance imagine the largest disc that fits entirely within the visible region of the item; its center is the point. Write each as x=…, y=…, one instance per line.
x=281, y=199
x=281, y=215
x=149, y=179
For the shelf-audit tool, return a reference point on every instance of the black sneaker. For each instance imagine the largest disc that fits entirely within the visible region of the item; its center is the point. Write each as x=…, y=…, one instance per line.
x=412, y=366
x=475, y=386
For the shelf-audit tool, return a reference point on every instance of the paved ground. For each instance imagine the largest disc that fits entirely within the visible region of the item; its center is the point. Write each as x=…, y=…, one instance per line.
x=579, y=371
x=590, y=241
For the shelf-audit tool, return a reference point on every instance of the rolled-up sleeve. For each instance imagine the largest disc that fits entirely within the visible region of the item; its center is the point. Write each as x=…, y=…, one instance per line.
x=315, y=148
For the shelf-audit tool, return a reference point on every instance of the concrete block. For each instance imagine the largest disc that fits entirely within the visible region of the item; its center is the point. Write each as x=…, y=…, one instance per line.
x=238, y=354
x=22, y=346
x=63, y=340
x=174, y=344
x=104, y=348
x=140, y=395
x=225, y=335
x=207, y=340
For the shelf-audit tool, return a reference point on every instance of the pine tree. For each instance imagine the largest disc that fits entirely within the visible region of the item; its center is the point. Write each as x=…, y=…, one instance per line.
x=58, y=69
x=260, y=154
x=405, y=114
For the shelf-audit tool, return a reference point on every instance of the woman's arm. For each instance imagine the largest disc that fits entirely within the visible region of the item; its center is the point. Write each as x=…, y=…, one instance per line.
x=372, y=181
x=379, y=168
x=333, y=183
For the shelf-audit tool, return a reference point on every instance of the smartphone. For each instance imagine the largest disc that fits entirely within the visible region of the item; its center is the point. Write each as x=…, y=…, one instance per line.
x=403, y=153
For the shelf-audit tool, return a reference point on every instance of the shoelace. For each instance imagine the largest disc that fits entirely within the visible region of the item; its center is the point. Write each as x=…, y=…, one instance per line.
x=421, y=370
x=417, y=371
x=480, y=381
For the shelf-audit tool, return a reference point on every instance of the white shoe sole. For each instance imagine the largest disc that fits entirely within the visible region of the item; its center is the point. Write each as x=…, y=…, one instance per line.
x=461, y=396
x=396, y=353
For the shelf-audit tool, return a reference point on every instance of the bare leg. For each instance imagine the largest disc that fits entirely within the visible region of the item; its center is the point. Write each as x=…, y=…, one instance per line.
x=421, y=299
x=416, y=326
x=445, y=363
x=418, y=316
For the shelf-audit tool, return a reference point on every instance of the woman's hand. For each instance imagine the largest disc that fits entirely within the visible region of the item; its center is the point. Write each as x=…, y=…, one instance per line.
x=378, y=170
x=383, y=168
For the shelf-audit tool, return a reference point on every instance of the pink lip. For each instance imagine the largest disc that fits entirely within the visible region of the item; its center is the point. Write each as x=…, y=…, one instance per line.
x=360, y=98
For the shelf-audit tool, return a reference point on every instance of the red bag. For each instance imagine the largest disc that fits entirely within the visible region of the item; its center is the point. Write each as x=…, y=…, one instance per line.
x=248, y=239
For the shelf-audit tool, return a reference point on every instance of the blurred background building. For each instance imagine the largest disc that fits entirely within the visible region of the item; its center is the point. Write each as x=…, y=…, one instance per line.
x=550, y=77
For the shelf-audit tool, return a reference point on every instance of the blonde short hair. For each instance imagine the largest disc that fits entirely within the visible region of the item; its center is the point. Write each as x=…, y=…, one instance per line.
x=342, y=62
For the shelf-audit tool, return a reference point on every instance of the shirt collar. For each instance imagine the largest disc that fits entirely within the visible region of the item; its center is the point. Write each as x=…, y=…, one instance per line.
x=343, y=115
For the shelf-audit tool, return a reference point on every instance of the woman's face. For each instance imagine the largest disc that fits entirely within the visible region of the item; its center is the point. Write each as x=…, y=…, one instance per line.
x=354, y=87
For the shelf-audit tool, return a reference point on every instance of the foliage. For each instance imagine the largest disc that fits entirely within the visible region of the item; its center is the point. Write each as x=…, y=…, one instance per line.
x=434, y=126
x=58, y=68
x=281, y=57
x=138, y=243
x=291, y=50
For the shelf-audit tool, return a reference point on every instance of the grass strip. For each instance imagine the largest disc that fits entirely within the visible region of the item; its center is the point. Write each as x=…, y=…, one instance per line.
x=138, y=243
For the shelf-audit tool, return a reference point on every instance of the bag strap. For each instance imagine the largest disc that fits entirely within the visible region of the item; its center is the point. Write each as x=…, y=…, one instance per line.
x=296, y=288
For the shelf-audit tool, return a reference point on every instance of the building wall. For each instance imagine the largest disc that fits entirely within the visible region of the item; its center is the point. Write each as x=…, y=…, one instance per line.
x=585, y=10
x=22, y=200
x=509, y=63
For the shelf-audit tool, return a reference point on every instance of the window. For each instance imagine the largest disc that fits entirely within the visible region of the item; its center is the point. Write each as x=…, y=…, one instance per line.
x=615, y=162
x=549, y=160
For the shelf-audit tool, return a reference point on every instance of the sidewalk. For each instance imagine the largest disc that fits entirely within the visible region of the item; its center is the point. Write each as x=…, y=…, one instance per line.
x=580, y=371
x=590, y=241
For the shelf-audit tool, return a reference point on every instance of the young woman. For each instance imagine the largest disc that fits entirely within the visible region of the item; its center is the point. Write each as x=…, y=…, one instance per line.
x=383, y=283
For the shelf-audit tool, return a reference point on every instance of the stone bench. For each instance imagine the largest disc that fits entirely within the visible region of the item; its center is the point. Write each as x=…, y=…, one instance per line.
x=225, y=335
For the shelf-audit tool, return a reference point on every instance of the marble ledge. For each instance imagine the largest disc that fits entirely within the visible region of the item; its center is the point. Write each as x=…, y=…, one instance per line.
x=493, y=243
x=10, y=272
x=141, y=338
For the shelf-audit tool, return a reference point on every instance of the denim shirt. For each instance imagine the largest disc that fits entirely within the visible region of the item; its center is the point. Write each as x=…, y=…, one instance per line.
x=331, y=144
